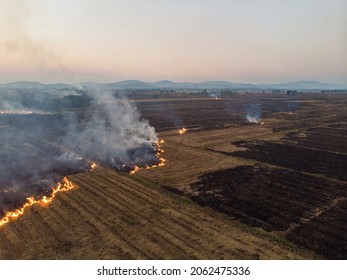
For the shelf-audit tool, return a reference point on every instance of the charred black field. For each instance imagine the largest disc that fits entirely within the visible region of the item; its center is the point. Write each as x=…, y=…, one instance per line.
x=256, y=176
x=304, y=208
x=294, y=181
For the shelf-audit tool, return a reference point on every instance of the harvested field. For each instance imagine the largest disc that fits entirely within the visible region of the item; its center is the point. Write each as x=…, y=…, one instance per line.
x=325, y=230
x=295, y=157
x=112, y=216
x=321, y=138
x=288, y=202
x=270, y=198
x=287, y=176
x=229, y=189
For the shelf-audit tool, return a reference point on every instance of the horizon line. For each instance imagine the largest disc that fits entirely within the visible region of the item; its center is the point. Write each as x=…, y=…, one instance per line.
x=178, y=82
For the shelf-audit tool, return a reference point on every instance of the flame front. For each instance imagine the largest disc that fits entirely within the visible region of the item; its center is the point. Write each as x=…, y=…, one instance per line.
x=182, y=130
x=158, y=152
x=63, y=186
x=136, y=168
x=66, y=186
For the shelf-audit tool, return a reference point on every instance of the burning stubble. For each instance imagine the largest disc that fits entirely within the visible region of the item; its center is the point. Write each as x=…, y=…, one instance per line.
x=37, y=150
x=63, y=186
x=182, y=131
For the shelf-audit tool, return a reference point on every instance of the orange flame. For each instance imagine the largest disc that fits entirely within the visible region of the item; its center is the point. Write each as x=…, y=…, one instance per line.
x=161, y=160
x=182, y=130
x=92, y=166
x=63, y=186
x=136, y=168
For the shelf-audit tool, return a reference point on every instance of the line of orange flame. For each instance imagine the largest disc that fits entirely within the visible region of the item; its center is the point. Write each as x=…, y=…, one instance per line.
x=63, y=186
x=161, y=160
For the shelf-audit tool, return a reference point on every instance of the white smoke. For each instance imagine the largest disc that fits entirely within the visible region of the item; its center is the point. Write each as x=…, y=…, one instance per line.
x=253, y=113
x=36, y=150
x=214, y=94
x=114, y=134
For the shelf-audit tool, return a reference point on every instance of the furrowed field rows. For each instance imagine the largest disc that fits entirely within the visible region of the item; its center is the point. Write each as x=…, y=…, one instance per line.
x=265, y=176
x=192, y=163
x=187, y=224
x=109, y=215
x=306, y=145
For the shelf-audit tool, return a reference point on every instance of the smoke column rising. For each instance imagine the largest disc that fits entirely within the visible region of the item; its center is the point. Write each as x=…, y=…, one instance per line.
x=253, y=113
x=37, y=150
x=114, y=133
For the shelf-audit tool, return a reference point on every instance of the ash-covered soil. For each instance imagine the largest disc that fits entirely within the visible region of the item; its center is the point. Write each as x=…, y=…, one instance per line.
x=285, y=177
x=305, y=159
x=290, y=176
x=202, y=113
x=297, y=204
x=321, y=138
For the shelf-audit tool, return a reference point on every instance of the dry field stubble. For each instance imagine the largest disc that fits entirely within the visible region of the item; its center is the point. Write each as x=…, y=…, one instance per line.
x=290, y=177
x=111, y=215
x=286, y=176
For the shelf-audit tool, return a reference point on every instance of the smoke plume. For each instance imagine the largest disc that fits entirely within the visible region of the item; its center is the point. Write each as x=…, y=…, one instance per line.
x=253, y=113
x=113, y=133
x=47, y=137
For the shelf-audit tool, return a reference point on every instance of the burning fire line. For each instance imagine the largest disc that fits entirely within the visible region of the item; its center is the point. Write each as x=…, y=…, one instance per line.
x=63, y=186
x=66, y=186
x=161, y=160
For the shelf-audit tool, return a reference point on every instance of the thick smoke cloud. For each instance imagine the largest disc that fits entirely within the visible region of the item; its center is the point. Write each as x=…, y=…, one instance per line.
x=113, y=133
x=47, y=137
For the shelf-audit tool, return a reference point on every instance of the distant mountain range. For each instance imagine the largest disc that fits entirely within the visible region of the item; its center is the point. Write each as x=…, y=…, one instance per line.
x=209, y=85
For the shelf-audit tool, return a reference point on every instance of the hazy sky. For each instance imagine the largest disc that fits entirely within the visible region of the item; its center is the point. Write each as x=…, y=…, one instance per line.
x=181, y=40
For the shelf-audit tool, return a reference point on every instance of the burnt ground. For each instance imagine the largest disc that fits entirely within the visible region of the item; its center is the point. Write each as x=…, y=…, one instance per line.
x=281, y=200
x=208, y=113
x=285, y=177
x=295, y=185
x=325, y=234
x=295, y=157
x=110, y=215
x=173, y=114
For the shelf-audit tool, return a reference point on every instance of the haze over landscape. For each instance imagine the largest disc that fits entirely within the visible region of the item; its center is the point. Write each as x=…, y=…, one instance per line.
x=237, y=41
x=173, y=130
